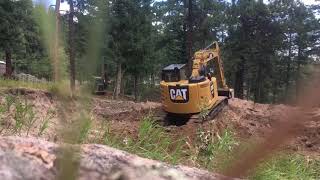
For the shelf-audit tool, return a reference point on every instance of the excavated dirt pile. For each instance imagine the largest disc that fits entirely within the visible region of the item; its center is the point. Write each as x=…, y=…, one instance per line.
x=255, y=121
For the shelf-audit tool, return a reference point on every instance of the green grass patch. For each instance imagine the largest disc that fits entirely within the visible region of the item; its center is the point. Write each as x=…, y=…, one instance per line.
x=84, y=128
x=9, y=83
x=153, y=142
x=23, y=115
x=207, y=151
x=287, y=167
x=215, y=151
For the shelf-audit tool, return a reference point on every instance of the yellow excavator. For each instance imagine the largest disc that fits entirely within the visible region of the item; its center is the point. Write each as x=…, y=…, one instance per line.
x=205, y=89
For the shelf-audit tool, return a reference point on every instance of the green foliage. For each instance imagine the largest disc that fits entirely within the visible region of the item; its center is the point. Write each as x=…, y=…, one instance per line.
x=288, y=167
x=111, y=139
x=204, y=109
x=148, y=93
x=20, y=38
x=21, y=111
x=9, y=101
x=208, y=151
x=214, y=151
x=152, y=142
x=2, y=109
x=44, y=126
x=45, y=122
x=23, y=116
x=8, y=83
x=30, y=119
x=265, y=53
x=14, y=19
x=84, y=129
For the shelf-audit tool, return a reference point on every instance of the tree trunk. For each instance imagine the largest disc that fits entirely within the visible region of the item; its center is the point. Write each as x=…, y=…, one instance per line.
x=248, y=89
x=274, y=90
x=153, y=82
x=8, y=64
x=257, y=92
x=135, y=86
x=239, y=80
x=56, y=44
x=117, y=88
x=288, y=70
x=298, y=83
x=105, y=75
x=71, y=48
x=123, y=85
x=189, y=36
x=222, y=35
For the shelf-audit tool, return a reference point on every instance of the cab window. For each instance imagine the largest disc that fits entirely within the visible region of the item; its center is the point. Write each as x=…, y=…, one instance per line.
x=170, y=76
x=174, y=75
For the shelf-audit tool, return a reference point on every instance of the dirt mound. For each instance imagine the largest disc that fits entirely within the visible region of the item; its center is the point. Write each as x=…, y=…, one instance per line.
x=20, y=156
x=249, y=120
x=253, y=120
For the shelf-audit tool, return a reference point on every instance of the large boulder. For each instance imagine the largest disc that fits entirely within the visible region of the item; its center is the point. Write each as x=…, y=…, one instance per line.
x=31, y=158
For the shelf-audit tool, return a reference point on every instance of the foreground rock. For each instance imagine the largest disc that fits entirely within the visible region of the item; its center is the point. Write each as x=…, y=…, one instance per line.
x=29, y=158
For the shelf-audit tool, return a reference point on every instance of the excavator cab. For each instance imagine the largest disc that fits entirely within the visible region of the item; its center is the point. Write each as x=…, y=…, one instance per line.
x=174, y=73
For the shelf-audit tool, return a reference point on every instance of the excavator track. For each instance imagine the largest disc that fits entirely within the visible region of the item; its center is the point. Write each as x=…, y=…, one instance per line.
x=215, y=110
x=167, y=119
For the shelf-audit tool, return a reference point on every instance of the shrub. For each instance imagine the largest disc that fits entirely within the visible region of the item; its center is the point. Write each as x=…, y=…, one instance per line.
x=215, y=150
x=45, y=122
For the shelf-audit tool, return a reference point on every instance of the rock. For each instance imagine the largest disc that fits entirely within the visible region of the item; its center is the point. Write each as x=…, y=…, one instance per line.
x=31, y=158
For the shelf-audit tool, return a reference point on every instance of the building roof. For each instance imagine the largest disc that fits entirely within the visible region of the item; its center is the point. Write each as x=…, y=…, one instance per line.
x=173, y=66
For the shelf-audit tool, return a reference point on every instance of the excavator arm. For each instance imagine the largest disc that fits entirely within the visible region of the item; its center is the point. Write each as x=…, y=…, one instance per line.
x=207, y=62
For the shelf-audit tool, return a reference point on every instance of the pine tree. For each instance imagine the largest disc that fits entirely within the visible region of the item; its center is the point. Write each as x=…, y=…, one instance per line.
x=14, y=16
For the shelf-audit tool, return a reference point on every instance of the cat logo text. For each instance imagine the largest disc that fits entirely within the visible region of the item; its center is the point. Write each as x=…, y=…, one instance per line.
x=179, y=94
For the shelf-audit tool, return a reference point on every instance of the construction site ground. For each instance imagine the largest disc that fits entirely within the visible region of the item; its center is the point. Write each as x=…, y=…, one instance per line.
x=248, y=120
